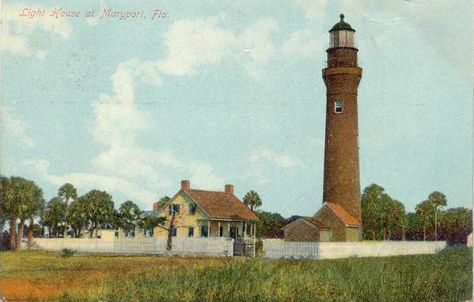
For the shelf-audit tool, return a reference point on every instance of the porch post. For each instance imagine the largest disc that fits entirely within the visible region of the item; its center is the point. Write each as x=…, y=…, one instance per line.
x=218, y=229
x=228, y=229
x=209, y=228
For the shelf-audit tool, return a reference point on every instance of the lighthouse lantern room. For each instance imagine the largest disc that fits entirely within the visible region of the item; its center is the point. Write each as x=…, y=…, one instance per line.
x=341, y=35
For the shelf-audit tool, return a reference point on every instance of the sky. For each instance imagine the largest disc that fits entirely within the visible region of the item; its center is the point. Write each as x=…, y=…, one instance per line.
x=221, y=92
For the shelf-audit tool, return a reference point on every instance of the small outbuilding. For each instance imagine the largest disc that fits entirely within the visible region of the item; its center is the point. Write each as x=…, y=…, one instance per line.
x=307, y=229
x=331, y=223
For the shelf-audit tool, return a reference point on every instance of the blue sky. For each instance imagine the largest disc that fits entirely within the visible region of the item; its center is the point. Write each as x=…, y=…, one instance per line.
x=231, y=92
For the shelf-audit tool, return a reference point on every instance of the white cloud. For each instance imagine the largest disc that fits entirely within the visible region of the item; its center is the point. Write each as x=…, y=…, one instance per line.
x=16, y=127
x=15, y=44
x=281, y=160
x=313, y=8
x=304, y=43
x=123, y=165
x=89, y=181
x=17, y=30
x=260, y=49
x=204, y=176
x=193, y=43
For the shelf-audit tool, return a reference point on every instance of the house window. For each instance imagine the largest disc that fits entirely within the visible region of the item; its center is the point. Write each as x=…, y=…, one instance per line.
x=204, y=231
x=338, y=106
x=221, y=231
x=192, y=209
x=174, y=208
x=174, y=232
x=190, y=232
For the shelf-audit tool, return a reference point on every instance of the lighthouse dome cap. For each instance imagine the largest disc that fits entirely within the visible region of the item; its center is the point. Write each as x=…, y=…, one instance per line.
x=341, y=25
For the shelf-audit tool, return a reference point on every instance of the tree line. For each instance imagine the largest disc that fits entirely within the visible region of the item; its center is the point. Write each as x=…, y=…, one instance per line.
x=385, y=218
x=66, y=214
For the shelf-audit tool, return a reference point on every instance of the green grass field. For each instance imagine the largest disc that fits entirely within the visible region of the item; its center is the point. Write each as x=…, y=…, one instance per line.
x=446, y=276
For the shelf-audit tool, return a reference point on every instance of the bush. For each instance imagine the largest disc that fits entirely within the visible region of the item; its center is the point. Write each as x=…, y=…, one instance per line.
x=66, y=253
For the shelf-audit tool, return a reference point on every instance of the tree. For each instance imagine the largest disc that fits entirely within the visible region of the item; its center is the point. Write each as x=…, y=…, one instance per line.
x=36, y=208
x=163, y=200
x=55, y=216
x=455, y=225
x=77, y=217
x=149, y=222
x=128, y=216
x=396, y=218
x=252, y=200
x=438, y=200
x=67, y=193
x=3, y=183
x=424, y=210
x=270, y=224
x=372, y=201
x=414, y=229
x=99, y=209
x=171, y=228
x=382, y=216
x=18, y=195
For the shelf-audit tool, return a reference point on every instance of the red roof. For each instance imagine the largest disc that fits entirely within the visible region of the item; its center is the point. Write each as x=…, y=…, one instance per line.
x=221, y=205
x=339, y=211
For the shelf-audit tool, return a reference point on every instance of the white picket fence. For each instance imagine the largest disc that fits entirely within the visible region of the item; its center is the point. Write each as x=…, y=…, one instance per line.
x=210, y=246
x=278, y=248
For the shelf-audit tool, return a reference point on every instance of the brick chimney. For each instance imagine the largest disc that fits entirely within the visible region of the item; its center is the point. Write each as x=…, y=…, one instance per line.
x=185, y=185
x=229, y=189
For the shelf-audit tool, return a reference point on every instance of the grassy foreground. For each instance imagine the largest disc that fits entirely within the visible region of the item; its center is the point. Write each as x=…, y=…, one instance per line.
x=446, y=276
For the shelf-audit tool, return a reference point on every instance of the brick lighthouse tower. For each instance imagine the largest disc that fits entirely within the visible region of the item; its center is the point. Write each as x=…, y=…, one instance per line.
x=341, y=153
x=339, y=219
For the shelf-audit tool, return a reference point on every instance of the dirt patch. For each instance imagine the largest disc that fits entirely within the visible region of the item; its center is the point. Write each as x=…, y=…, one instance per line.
x=21, y=290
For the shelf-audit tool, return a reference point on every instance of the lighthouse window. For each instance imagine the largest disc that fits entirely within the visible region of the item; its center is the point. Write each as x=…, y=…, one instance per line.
x=338, y=106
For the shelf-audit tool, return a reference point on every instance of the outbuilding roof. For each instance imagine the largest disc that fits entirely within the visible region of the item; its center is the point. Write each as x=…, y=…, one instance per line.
x=340, y=212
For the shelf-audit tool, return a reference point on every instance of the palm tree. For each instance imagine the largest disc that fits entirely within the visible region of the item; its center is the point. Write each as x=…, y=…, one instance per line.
x=36, y=208
x=438, y=200
x=424, y=209
x=77, y=217
x=15, y=195
x=67, y=192
x=99, y=208
x=54, y=215
x=7, y=206
x=252, y=200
